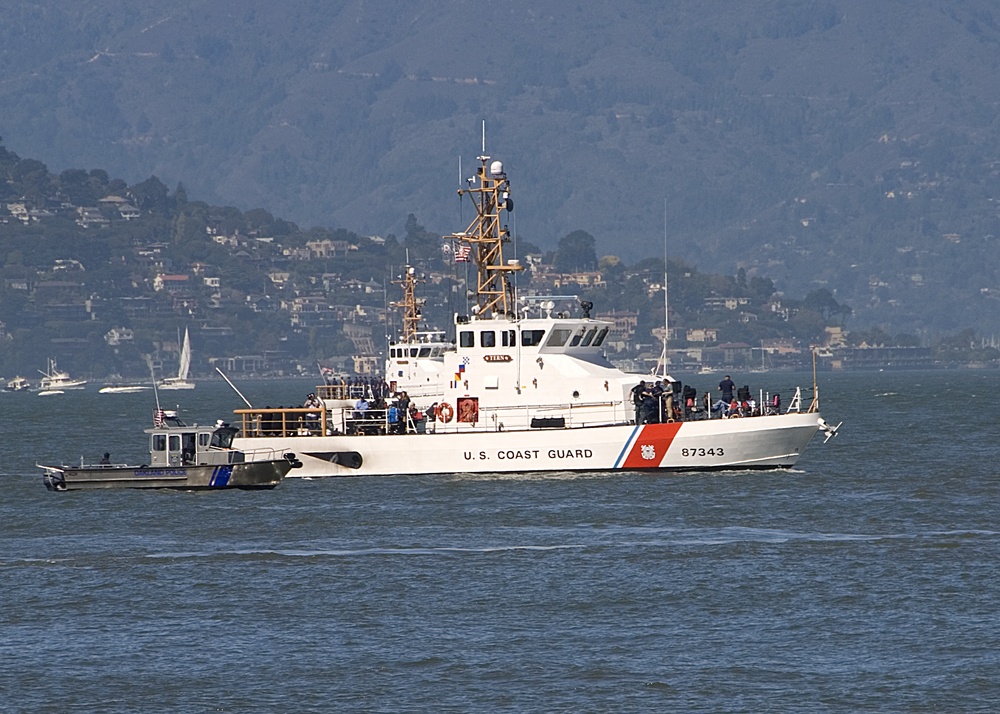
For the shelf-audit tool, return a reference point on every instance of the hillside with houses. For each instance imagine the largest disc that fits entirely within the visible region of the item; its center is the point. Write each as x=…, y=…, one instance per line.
x=821, y=144
x=106, y=276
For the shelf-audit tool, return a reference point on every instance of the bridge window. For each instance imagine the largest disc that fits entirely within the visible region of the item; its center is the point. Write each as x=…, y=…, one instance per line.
x=600, y=337
x=425, y=352
x=532, y=338
x=589, y=338
x=466, y=338
x=488, y=339
x=509, y=338
x=558, y=337
x=159, y=442
x=577, y=337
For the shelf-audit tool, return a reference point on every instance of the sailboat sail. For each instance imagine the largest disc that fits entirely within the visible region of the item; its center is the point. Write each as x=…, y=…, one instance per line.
x=183, y=368
x=185, y=365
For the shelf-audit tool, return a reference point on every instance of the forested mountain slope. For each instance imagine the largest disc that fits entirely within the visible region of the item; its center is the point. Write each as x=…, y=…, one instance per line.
x=831, y=143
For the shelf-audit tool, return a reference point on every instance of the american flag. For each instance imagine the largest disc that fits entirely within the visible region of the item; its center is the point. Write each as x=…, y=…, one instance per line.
x=462, y=253
x=158, y=415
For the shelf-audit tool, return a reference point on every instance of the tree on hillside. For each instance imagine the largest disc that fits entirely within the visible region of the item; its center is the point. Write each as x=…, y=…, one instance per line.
x=823, y=302
x=422, y=245
x=75, y=184
x=151, y=195
x=30, y=178
x=576, y=252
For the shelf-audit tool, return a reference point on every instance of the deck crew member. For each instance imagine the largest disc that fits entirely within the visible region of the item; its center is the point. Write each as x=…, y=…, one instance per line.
x=312, y=419
x=636, y=393
x=727, y=386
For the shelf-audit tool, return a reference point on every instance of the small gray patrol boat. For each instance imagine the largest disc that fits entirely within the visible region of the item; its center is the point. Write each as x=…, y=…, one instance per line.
x=180, y=457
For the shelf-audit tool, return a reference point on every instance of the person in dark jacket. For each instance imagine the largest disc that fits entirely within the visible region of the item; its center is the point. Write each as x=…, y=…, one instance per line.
x=727, y=386
x=636, y=394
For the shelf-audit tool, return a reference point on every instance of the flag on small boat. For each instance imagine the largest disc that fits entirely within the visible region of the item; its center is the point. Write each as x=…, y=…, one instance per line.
x=158, y=416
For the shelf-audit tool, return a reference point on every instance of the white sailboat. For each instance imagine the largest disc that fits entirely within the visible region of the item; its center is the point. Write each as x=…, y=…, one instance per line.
x=181, y=380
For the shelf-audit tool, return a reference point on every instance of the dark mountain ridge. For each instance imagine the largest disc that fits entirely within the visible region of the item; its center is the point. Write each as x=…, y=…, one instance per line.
x=832, y=144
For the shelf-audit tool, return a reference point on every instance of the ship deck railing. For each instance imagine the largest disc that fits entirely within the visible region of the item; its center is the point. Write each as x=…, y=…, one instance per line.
x=311, y=421
x=351, y=392
x=282, y=421
x=260, y=454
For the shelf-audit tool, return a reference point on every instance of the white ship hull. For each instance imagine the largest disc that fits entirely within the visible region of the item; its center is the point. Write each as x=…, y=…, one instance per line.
x=753, y=443
x=525, y=386
x=171, y=385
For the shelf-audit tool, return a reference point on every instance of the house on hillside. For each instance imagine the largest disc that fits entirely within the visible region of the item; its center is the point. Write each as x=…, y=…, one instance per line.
x=119, y=335
x=620, y=335
x=20, y=212
x=702, y=334
x=170, y=283
x=120, y=205
x=88, y=216
x=327, y=248
x=725, y=303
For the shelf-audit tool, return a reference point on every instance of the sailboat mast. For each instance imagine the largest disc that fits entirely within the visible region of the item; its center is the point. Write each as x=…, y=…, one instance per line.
x=666, y=299
x=664, y=357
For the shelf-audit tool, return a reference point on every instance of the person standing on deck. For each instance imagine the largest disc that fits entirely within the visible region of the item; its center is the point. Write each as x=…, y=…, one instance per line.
x=727, y=386
x=404, y=408
x=636, y=393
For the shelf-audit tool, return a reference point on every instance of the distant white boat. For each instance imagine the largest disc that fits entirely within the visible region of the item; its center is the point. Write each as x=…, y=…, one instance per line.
x=54, y=380
x=18, y=384
x=181, y=380
x=50, y=392
x=122, y=388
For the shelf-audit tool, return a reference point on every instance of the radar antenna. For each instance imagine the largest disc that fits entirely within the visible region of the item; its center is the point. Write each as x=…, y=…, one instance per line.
x=490, y=194
x=410, y=304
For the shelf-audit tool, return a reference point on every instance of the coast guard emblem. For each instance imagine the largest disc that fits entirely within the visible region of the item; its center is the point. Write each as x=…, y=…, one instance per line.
x=648, y=452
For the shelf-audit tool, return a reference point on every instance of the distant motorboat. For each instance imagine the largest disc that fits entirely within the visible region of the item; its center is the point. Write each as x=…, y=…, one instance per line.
x=122, y=388
x=54, y=380
x=181, y=380
x=18, y=384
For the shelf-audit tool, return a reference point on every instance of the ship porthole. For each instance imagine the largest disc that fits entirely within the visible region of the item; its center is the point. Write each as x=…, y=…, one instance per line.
x=576, y=395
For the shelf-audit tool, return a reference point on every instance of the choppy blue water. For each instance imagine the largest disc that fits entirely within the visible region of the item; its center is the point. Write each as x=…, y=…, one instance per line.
x=865, y=580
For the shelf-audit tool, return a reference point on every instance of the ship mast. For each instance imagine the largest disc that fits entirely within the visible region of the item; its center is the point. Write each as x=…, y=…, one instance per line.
x=409, y=305
x=485, y=236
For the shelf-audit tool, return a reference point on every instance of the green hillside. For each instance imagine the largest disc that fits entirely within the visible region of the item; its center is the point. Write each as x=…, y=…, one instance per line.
x=824, y=144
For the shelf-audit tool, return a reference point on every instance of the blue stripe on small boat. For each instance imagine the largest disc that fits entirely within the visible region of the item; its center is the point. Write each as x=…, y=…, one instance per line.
x=220, y=476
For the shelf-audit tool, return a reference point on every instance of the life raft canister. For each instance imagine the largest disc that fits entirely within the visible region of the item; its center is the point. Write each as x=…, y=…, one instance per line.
x=445, y=412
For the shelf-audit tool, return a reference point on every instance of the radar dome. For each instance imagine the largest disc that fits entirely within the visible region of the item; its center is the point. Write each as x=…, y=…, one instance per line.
x=496, y=168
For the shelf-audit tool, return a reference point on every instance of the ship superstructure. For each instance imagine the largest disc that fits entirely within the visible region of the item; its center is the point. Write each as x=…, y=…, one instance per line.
x=524, y=386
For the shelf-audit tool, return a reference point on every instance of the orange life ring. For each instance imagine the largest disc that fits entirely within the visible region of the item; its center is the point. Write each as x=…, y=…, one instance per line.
x=445, y=412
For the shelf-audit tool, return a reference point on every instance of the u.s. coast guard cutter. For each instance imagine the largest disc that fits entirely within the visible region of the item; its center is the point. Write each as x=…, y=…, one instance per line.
x=523, y=387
